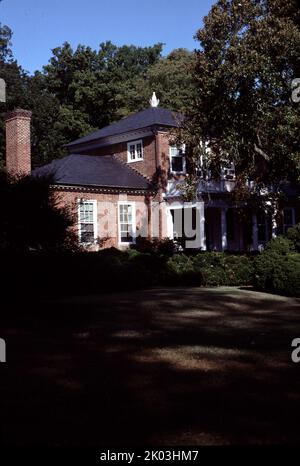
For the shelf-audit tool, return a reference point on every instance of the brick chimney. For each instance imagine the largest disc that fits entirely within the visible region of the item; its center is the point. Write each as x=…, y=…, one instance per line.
x=18, y=150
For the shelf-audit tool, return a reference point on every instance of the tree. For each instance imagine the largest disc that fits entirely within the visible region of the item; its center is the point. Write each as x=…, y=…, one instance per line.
x=77, y=92
x=5, y=43
x=15, y=79
x=170, y=77
x=93, y=82
x=43, y=226
x=249, y=55
x=82, y=90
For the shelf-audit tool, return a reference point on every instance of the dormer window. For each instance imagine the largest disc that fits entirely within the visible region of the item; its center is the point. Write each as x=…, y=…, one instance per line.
x=228, y=171
x=135, y=151
x=177, y=159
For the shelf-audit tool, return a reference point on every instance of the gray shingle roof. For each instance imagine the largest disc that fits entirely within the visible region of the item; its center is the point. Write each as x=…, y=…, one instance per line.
x=92, y=170
x=150, y=117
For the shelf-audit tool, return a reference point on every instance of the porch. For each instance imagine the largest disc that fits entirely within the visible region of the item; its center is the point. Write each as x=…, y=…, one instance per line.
x=214, y=228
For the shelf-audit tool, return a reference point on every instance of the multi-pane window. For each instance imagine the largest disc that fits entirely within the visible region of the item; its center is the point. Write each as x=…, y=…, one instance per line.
x=87, y=221
x=228, y=171
x=288, y=219
x=262, y=227
x=230, y=224
x=135, y=151
x=177, y=159
x=126, y=223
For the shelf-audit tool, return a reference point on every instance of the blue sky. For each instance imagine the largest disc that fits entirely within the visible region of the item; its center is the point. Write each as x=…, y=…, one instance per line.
x=39, y=26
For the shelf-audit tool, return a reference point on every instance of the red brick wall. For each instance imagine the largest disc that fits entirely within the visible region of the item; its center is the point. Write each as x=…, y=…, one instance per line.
x=156, y=161
x=18, y=151
x=146, y=167
x=155, y=166
x=107, y=213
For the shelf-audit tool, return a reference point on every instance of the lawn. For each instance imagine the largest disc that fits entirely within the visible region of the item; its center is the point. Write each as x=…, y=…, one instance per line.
x=157, y=367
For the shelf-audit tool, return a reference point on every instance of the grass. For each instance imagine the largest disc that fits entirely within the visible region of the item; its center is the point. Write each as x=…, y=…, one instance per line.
x=156, y=367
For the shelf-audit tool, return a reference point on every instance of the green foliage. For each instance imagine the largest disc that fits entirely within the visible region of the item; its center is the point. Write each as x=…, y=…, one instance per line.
x=5, y=43
x=171, y=78
x=59, y=271
x=82, y=90
x=165, y=247
x=210, y=269
x=224, y=269
x=293, y=235
x=277, y=268
x=248, y=57
x=180, y=271
x=279, y=245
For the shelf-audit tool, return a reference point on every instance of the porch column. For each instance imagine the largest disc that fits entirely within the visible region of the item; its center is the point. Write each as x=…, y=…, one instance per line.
x=224, y=229
x=254, y=233
x=200, y=240
x=170, y=224
x=201, y=208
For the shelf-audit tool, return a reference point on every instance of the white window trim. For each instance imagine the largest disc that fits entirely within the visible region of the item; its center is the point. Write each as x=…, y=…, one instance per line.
x=183, y=172
x=265, y=224
x=225, y=177
x=135, y=143
x=125, y=243
x=95, y=223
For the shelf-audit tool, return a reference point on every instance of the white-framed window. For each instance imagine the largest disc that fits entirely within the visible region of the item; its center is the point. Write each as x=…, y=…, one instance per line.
x=87, y=221
x=262, y=227
x=228, y=171
x=288, y=219
x=177, y=159
x=127, y=226
x=135, y=151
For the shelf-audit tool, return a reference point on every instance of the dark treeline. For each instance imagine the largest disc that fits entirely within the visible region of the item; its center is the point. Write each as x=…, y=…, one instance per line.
x=81, y=90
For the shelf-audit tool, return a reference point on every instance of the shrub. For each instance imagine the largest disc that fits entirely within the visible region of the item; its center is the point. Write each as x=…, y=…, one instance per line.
x=51, y=273
x=209, y=259
x=293, y=235
x=213, y=276
x=210, y=269
x=277, y=268
x=180, y=271
x=280, y=245
x=264, y=267
x=238, y=270
x=224, y=269
x=165, y=247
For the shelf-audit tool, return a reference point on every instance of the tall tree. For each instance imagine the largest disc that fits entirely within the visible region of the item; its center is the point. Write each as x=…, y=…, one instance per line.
x=5, y=43
x=15, y=79
x=249, y=55
x=170, y=77
x=82, y=90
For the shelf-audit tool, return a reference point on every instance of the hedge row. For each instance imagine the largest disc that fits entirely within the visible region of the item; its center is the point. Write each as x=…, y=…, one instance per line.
x=276, y=270
x=111, y=270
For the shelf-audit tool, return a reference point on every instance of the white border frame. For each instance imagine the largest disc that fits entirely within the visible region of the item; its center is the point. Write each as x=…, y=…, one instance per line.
x=266, y=224
x=183, y=172
x=132, y=204
x=131, y=143
x=95, y=222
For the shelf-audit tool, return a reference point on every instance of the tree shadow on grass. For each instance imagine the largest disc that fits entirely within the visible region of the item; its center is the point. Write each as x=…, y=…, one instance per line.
x=164, y=366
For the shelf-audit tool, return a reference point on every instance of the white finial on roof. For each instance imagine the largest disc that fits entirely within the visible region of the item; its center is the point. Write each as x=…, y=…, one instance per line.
x=154, y=101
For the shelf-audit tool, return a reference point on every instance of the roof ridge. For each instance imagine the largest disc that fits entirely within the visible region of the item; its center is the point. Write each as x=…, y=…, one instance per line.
x=115, y=156
x=134, y=121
